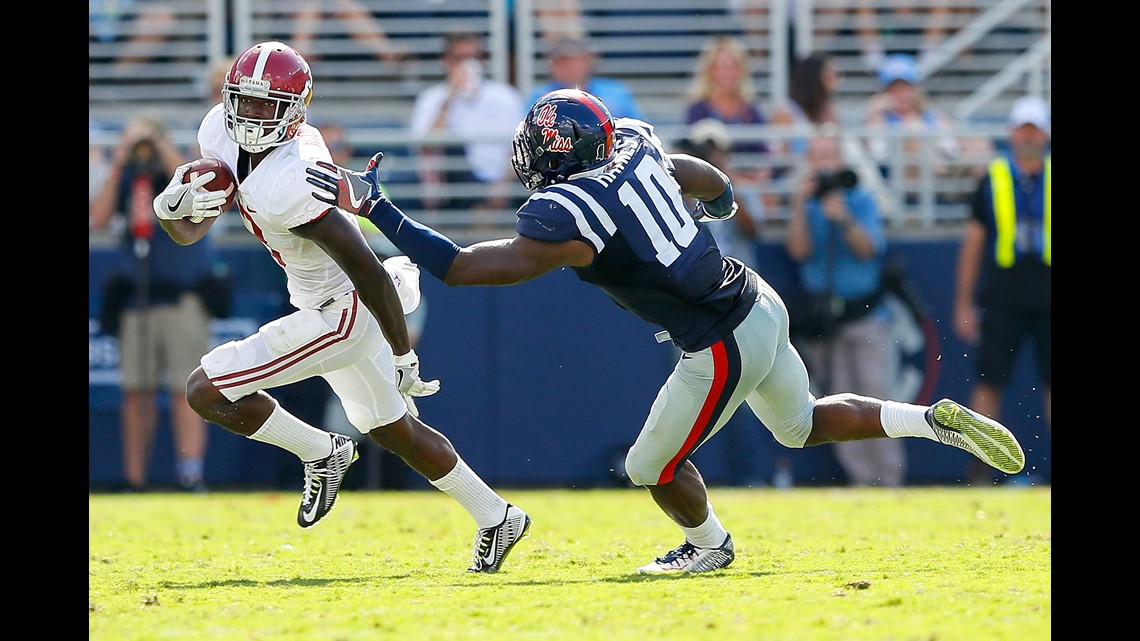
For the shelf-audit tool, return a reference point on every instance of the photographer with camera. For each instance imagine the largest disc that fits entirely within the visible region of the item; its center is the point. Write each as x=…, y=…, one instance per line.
x=155, y=305
x=837, y=240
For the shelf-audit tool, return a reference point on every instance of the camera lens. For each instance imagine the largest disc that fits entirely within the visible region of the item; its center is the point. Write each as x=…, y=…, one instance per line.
x=843, y=179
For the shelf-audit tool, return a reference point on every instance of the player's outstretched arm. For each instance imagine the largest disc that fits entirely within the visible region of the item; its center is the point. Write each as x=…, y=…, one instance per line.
x=514, y=260
x=495, y=262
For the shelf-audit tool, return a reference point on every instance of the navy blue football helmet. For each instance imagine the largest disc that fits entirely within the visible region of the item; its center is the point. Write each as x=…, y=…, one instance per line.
x=566, y=131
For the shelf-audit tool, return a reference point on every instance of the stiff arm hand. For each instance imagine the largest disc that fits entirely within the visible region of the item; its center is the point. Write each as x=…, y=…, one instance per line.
x=353, y=191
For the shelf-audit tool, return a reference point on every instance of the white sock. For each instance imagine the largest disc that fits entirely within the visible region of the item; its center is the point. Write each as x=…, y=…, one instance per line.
x=481, y=502
x=710, y=534
x=291, y=433
x=904, y=419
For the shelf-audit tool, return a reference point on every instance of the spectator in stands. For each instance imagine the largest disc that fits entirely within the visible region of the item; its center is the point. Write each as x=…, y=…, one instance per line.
x=324, y=19
x=901, y=21
x=837, y=240
x=155, y=307
x=144, y=27
x=757, y=25
x=558, y=20
x=466, y=103
x=722, y=90
x=1003, y=296
x=812, y=86
x=875, y=24
x=572, y=65
x=903, y=104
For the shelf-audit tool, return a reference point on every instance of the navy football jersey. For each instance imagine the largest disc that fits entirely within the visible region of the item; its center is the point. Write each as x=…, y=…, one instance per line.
x=651, y=257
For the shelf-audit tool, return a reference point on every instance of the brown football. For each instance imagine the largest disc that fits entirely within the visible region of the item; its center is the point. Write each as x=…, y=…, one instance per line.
x=223, y=178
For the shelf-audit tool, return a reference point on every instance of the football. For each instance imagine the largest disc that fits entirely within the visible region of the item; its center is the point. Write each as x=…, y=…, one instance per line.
x=223, y=178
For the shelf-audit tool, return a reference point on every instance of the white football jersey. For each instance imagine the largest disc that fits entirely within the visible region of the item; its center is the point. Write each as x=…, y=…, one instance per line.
x=274, y=198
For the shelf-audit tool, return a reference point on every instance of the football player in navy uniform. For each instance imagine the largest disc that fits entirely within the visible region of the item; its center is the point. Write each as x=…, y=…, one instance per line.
x=609, y=202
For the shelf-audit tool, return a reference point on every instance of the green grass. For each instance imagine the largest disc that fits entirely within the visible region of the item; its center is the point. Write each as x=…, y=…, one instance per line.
x=921, y=564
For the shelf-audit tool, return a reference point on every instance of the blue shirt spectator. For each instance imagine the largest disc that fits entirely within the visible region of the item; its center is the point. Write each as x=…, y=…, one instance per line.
x=838, y=319
x=850, y=276
x=572, y=66
x=835, y=233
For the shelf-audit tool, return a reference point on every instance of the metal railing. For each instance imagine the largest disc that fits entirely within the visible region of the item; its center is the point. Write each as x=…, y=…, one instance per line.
x=920, y=188
x=993, y=51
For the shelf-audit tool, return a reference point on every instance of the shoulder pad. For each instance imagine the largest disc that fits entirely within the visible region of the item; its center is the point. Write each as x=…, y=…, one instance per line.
x=212, y=137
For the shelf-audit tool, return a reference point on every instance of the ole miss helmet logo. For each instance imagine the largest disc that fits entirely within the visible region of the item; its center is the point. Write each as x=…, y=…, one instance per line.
x=545, y=116
x=554, y=142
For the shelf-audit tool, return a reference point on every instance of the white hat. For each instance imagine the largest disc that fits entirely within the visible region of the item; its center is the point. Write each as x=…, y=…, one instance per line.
x=710, y=131
x=898, y=66
x=1029, y=110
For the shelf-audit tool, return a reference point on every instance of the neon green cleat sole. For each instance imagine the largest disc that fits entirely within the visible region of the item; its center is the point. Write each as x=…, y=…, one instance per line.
x=985, y=438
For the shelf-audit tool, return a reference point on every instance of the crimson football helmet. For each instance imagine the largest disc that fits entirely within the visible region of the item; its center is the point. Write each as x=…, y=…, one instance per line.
x=267, y=71
x=566, y=132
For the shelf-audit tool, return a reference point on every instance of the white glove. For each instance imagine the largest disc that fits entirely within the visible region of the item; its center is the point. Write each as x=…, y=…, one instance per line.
x=172, y=203
x=409, y=382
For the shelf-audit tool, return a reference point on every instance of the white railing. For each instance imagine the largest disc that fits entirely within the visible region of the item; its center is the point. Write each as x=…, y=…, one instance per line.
x=924, y=192
x=992, y=52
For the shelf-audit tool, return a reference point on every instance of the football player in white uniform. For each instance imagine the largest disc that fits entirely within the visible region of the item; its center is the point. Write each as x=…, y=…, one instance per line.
x=349, y=325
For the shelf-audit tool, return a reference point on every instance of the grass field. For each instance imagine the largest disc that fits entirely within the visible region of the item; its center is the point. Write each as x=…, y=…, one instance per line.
x=918, y=564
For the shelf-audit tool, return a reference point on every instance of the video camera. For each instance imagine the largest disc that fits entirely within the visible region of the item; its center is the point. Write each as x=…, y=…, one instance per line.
x=827, y=181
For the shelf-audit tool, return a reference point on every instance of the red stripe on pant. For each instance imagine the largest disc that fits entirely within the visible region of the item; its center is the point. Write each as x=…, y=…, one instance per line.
x=707, y=413
x=344, y=328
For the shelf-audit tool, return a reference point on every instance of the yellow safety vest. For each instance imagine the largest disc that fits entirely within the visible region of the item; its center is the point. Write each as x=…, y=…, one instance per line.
x=1005, y=212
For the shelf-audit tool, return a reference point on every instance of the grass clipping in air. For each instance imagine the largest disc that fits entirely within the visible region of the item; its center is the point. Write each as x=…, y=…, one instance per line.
x=921, y=564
